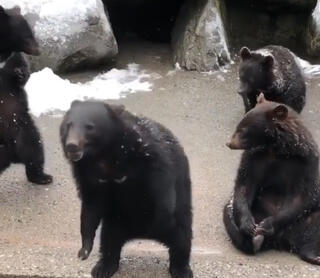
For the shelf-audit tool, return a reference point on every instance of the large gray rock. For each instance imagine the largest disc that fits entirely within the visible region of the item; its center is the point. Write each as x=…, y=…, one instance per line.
x=313, y=34
x=198, y=39
x=71, y=33
x=256, y=27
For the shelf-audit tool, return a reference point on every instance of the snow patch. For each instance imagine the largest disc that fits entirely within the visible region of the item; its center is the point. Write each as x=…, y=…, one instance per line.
x=47, y=92
x=308, y=69
x=177, y=68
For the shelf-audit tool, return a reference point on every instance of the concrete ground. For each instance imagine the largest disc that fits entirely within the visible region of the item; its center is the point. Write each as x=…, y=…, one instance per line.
x=39, y=227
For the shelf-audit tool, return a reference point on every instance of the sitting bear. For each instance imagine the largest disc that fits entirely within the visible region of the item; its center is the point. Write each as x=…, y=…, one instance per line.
x=15, y=34
x=275, y=203
x=20, y=140
x=133, y=176
x=273, y=71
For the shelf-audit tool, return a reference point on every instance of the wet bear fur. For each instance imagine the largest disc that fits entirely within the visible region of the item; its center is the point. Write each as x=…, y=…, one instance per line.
x=272, y=70
x=133, y=177
x=20, y=141
x=16, y=34
x=275, y=202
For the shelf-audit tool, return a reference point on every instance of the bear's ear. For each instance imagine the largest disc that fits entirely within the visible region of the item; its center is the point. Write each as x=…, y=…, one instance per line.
x=268, y=62
x=75, y=102
x=16, y=10
x=117, y=108
x=245, y=53
x=261, y=98
x=280, y=113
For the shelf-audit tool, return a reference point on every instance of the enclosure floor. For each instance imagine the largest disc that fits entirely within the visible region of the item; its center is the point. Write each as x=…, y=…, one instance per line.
x=39, y=227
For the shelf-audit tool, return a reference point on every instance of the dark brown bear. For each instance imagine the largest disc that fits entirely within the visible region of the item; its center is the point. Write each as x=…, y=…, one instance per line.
x=15, y=34
x=276, y=197
x=133, y=176
x=20, y=140
x=272, y=70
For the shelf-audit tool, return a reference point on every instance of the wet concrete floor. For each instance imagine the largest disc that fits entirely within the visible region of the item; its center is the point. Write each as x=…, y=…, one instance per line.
x=39, y=227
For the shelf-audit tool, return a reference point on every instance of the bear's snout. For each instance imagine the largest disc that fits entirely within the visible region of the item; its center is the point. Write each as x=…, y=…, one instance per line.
x=235, y=143
x=72, y=148
x=73, y=151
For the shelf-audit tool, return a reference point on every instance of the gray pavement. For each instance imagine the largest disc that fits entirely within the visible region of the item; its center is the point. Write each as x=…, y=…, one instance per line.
x=39, y=227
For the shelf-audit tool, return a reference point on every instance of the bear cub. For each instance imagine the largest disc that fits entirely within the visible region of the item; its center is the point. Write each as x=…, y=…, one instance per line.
x=20, y=140
x=133, y=177
x=273, y=71
x=16, y=34
x=275, y=203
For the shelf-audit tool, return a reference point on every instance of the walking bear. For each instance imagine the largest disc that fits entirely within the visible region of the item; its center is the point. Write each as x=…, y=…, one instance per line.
x=273, y=71
x=275, y=203
x=133, y=176
x=20, y=140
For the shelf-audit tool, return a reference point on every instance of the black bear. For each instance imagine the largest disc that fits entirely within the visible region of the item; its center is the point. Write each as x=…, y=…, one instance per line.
x=15, y=34
x=133, y=176
x=20, y=140
x=275, y=203
x=273, y=71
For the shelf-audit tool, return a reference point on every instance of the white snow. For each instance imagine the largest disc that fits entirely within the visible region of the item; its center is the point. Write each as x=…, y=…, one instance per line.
x=47, y=92
x=177, y=68
x=308, y=69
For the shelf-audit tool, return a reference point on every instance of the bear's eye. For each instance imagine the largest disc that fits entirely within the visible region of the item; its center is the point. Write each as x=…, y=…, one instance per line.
x=89, y=127
x=243, y=130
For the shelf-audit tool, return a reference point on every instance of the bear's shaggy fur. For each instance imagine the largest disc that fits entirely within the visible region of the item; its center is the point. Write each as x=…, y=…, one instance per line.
x=276, y=197
x=133, y=177
x=20, y=141
x=273, y=71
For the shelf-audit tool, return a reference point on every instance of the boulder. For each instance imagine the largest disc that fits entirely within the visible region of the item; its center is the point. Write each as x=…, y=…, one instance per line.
x=258, y=26
x=71, y=33
x=313, y=34
x=198, y=39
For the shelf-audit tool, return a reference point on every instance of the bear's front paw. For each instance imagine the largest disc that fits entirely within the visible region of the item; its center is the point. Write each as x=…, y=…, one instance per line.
x=21, y=75
x=265, y=227
x=104, y=269
x=84, y=253
x=184, y=272
x=40, y=179
x=248, y=226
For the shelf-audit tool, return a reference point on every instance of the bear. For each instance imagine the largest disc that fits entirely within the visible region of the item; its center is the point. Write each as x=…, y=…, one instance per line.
x=132, y=176
x=20, y=140
x=272, y=70
x=275, y=203
x=16, y=34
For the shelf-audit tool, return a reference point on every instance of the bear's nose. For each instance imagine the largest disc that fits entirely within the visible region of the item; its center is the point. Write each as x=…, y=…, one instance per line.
x=72, y=148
